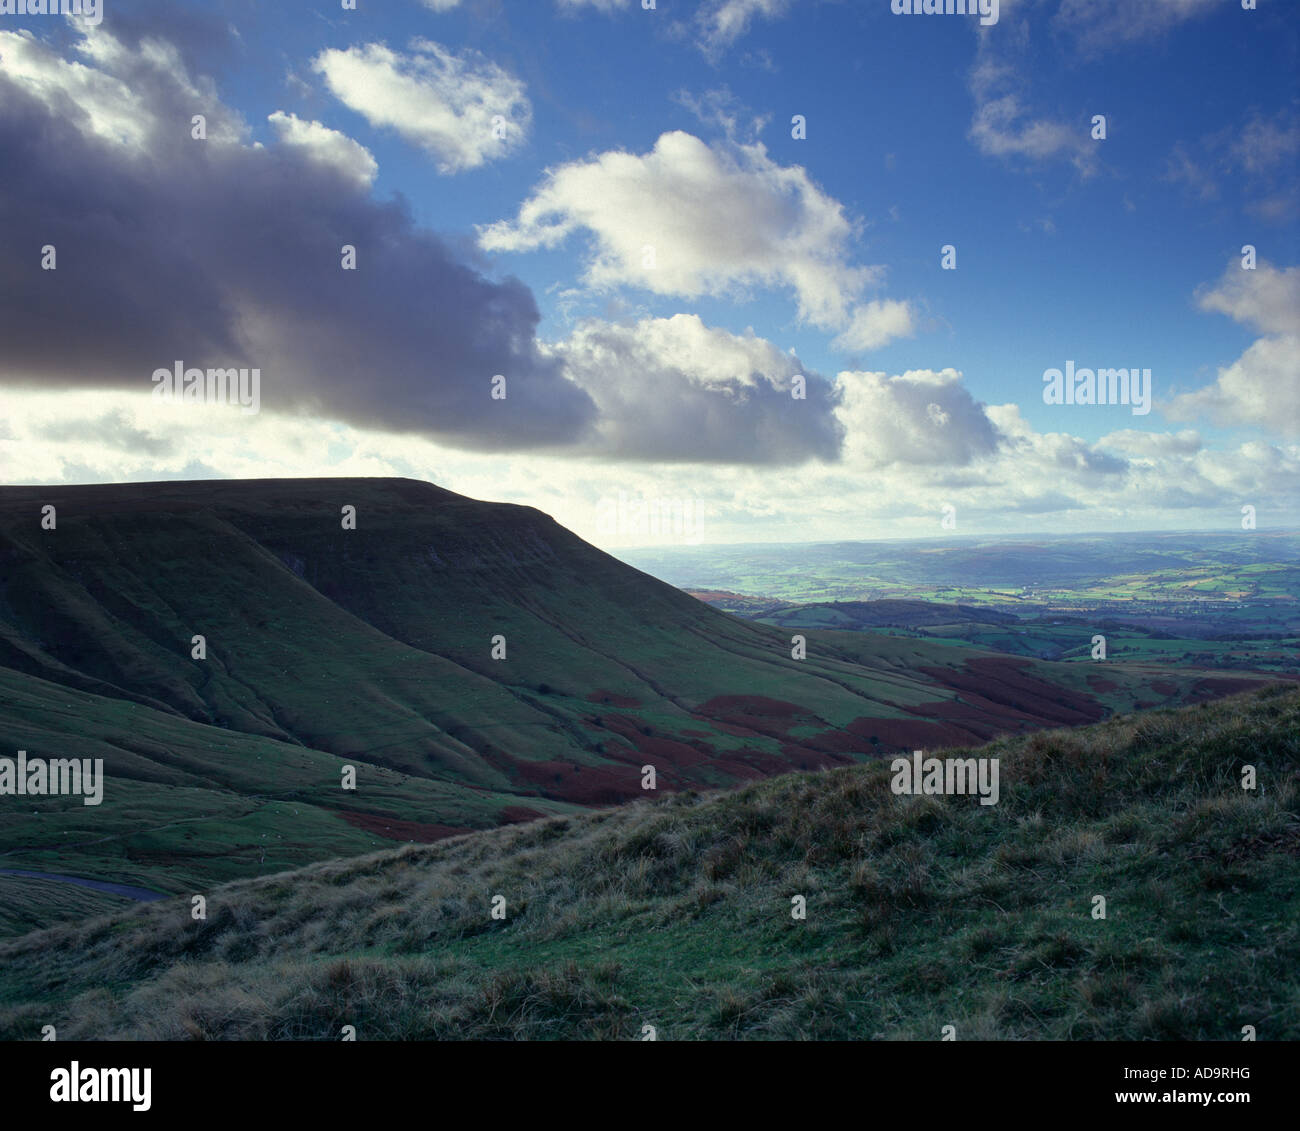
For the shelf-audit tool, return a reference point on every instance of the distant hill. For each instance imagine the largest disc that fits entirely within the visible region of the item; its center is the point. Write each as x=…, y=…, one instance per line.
x=884, y=614
x=373, y=648
x=1201, y=585
x=921, y=912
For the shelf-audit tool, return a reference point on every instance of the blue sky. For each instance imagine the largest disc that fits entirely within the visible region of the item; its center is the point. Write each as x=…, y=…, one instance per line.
x=672, y=127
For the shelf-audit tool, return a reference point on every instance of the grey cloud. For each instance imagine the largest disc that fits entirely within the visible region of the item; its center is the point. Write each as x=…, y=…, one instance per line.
x=677, y=390
x=111, y=430
x=220, y=253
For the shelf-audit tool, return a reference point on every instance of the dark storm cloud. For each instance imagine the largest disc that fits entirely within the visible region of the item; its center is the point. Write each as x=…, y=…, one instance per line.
x=219, y=253
x=204, y=38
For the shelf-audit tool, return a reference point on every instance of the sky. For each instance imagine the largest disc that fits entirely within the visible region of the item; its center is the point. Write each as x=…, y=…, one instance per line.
x=701, y=271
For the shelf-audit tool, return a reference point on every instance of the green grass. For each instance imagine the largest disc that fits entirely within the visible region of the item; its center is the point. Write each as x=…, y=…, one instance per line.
x=30, y=904
x=371, y=648
x=922, y=912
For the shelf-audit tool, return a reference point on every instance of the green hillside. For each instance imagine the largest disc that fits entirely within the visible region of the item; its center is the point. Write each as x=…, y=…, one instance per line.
x=922, y=912
x=372, y=647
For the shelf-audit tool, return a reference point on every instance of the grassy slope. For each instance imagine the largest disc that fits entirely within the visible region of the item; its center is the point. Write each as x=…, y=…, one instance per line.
x=372, y=647
x=187, y=805
x=922, y=912
x=30, y=904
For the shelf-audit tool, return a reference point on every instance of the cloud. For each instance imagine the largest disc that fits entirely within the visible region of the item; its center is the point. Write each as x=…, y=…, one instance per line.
x=1181, y=166
x=1029, y=482
x=875, y=324
x=721, y=109
x=722, y=22
x=1257, y=159
x=606, y=6
x=1066, y=462
x=1260, y=388
x=463, y=110
x=114, y=430
x=689, y=219
x=1265, y=298
x=1104, y=24
x=1003, y=127
x=227, y=253
x=327, y=147
x=565, y=7
x=1263, y=145
x=921, y=417
x=676, y=389
x=204, y=38
x=1138, y=444
x=110, y=97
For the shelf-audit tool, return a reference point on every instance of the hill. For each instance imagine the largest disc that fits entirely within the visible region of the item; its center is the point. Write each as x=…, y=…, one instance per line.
x=921, y=912
x=328, y=647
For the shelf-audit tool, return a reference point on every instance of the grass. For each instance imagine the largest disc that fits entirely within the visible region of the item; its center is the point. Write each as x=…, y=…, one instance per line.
x=371, y=648
x=921, y=912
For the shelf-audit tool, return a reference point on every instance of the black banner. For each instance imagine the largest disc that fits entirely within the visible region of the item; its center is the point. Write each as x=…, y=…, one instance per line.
x=337, y=1080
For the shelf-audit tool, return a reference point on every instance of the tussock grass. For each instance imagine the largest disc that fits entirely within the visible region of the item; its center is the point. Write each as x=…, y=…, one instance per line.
x=921, y=912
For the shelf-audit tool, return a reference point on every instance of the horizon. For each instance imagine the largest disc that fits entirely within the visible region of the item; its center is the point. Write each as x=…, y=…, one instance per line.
x=742, y=256
x=997, y=536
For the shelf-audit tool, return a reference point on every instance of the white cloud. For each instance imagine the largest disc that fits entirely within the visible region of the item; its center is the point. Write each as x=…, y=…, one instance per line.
x=674, y=388
x=875, y=324
x=1263, y=145
x=721, y=109
x=1104, y=24
x=99, y=101
x=1003, y=127
x=327, y=147
x=566, y=7
x=1031, y=482
x=1152, y=445
x=690, y=219
x=1262, y=387
x=1067, y=462
x=453, y=106
x=599, y=5
x=921, y=417
x=1265, y=298
x=724, y=21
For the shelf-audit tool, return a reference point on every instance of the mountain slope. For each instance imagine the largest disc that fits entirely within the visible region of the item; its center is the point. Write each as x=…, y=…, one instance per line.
x=921, y=912
x=372, y=647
